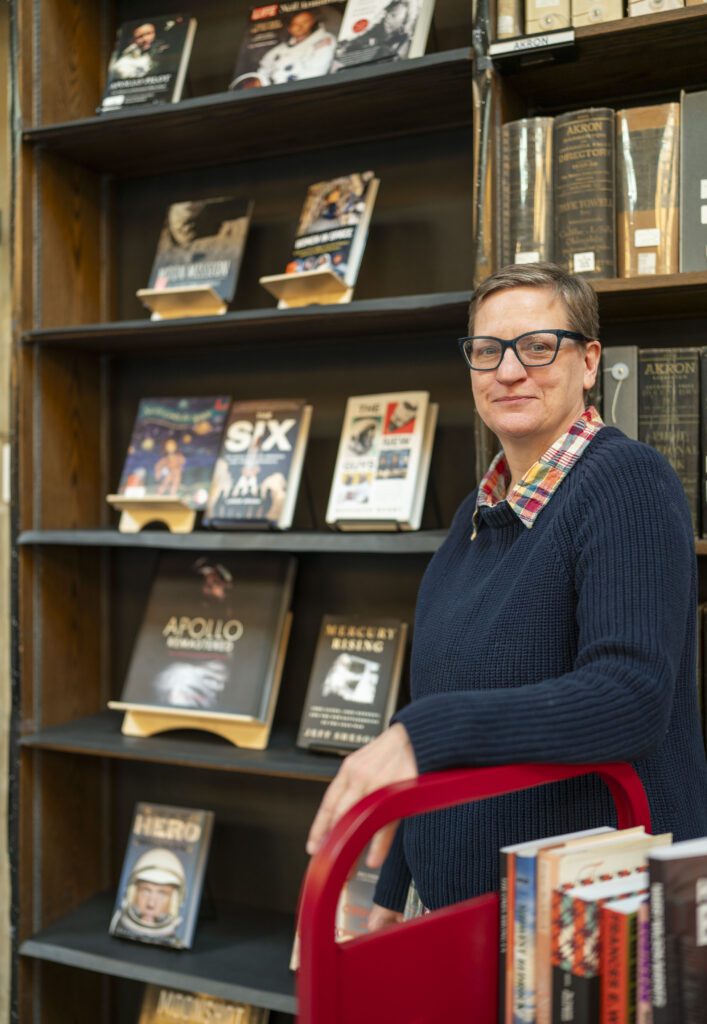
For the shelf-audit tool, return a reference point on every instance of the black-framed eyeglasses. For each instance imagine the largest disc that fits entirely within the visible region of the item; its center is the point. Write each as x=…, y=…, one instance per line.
x=534, y=348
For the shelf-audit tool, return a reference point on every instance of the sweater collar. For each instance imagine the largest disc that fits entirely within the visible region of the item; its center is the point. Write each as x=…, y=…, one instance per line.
x=533, y=491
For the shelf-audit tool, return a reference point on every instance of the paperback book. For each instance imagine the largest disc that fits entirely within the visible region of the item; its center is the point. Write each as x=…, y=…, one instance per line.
x=173, y=448
x=163, y=874
x=382, y=30
x=353, y=686
x=168, y=1006
x=149, y=61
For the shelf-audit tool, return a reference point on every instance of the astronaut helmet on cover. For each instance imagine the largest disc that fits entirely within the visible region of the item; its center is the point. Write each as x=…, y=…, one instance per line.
x=155, y=891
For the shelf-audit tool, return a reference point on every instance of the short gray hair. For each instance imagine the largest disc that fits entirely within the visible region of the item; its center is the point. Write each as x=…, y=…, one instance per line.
x=576, y=292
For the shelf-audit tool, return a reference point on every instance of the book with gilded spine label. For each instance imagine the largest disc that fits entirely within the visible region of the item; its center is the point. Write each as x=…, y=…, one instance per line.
x=527, y=193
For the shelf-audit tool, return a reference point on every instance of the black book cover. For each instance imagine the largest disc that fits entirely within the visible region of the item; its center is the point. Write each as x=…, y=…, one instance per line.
x=149, y=61
x=703, y=438
x=353, y=685
x=212, y=632
x=163, y=873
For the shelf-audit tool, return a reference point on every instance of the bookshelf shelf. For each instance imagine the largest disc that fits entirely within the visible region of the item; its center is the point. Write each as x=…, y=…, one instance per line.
x=241, y=956
x=100, y=736
x=426, y=94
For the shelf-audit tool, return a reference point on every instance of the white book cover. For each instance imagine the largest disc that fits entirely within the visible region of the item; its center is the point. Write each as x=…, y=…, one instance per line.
x=382, y=460
x=374, y=31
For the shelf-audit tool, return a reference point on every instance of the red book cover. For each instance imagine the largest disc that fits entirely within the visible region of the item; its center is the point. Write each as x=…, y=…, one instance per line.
x=618, y=923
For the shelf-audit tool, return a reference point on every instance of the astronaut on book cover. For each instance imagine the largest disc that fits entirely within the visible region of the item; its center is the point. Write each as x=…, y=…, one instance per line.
x=151, y=904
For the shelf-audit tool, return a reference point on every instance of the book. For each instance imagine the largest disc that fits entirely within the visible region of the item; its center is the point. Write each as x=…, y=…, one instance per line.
x=201, y=246
x=374, y=31
x=356, y=901
x=173, y=448
x=257, y=474
x=669, y=414
x=546, y=15
x=644, y=1009
x=354, y=682
x=213, y=635
x=527, y=190
x=678, y=879
x=149, y=61
x=693, y=181
x=619, y=931
x=619, y=370
x=163, y=873
x=585, y=215
x=647, y=166
x=333, y=226
x=286, y=42
x=383, y=462
x=589, y=12
x=509, y=19
x=169, y=1006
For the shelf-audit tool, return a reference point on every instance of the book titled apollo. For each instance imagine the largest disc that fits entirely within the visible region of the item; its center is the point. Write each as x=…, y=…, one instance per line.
x=383, y=462
x=149, y=61
x=354, y=682
x=201, y=244
x=527, y=191
x=173, y=448
x=257, y=473
x=213, y=634
x=374, y=31
x=286, y=42
x=169, y=1006
x=333, y=226
x=163, y=875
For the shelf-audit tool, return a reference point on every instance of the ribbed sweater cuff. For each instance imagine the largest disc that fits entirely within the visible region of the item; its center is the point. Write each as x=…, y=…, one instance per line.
x=394, y=882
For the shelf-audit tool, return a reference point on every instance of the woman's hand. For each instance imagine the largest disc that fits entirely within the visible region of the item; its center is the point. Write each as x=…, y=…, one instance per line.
x=381, y=917
x=388, y=758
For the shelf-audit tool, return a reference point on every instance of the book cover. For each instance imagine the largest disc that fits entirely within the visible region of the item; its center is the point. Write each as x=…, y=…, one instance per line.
x=286, y=42
x=149, y=61
x=202, y=243
x=678, y=878
x=527, y=190
x=619, y=370
x=169, y=1006
x=333, y=226
x=585, y=215
x=382, y=30
x=257, y=473
x=211, y=637
x=618, y=926
x=173, y=448
x=354, y=682
x=163, y=873
x=647, y=176
x=644, y=1009
x=693, y=181
x=382, y=462
x=669, y=414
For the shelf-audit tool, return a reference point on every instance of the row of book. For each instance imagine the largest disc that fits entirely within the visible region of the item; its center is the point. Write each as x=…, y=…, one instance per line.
x=241, y=463
x=608, y=193
x=282, y=42
x=529, y=17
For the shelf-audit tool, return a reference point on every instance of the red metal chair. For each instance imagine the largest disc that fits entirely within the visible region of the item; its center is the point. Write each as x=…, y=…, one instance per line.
x=442, y=967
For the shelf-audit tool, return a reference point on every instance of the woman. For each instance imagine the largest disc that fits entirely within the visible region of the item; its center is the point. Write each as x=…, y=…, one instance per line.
x=555, y=623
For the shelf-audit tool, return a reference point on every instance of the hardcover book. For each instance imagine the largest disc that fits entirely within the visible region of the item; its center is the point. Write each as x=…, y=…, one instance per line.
x=173, y=448
x=285, y=42
x=168, y=1006
x=201, y=245
x=509, y=19
x=620, y=386
x=669, y=413
x=163, y=874
x=149, y=61
x=589, y=12
x=354, y=682
x=693, y=181
x=527, y=190
x=619, y=933
x=213, y=636
x=585, y=215
x=648, y=148
x=382, y=30
x=257, y=473
x=333, y=226
x=383, y=462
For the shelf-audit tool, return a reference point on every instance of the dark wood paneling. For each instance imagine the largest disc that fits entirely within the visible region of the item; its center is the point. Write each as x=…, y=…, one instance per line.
x=70, y=41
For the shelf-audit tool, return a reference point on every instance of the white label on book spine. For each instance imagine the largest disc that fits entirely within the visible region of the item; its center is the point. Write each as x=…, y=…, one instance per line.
x=527, y=257
x=646, y=263
x=703, y=214
x=506, y=24
x=703, y=188
x=645, y=237
x=548, y=3
x=582, y=262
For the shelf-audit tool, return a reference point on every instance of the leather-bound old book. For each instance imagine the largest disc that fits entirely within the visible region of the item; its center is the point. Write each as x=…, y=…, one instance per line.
x=526, y=173
x=693, y=181
x=585, y=216
x=648, y=146
x=669, y=413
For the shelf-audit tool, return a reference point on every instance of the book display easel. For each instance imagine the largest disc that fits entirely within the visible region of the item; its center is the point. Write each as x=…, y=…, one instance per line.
x=91, y=192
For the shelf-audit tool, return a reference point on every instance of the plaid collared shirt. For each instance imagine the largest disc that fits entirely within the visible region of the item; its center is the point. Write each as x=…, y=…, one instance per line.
x=533, y=491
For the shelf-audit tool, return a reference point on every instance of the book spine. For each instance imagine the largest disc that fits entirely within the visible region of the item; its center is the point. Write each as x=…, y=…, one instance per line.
x=644, y=1010
x=693, y=182
x=663, y=976
x=703, y=436
x=585, y=215
x=616, y=969
x=583, y=984
x=669, y=414
x=647, y=189
x=507, y=979
x=527, y=190
x=561, y=940
x=509, y=19
x=524, y=941
x=502, y=934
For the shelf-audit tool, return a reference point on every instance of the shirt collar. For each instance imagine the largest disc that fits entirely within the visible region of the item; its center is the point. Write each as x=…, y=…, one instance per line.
x=533, y=491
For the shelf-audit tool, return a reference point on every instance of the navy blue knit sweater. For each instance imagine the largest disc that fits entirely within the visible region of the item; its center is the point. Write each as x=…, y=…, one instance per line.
x=572, y=641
